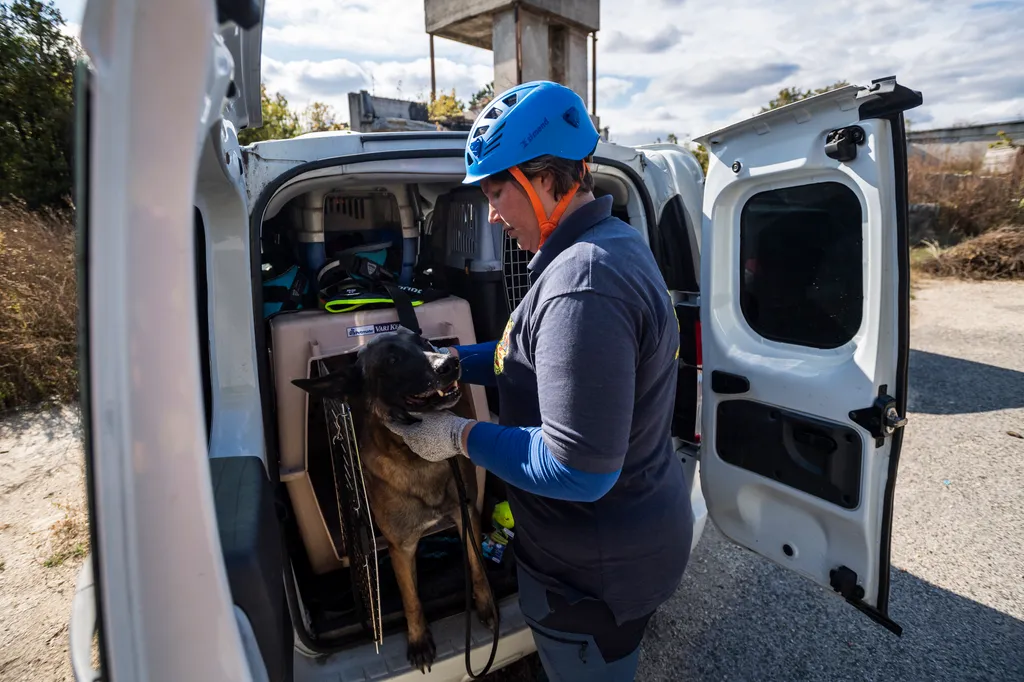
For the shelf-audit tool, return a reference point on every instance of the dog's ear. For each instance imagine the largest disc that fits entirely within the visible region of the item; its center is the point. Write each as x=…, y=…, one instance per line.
x=342, y=384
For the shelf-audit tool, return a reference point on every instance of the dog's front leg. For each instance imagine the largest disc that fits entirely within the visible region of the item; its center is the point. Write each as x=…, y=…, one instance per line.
x=481, y=594
x=421, y=649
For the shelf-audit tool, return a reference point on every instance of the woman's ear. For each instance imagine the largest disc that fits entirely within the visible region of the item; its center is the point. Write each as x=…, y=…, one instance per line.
x=544, y=184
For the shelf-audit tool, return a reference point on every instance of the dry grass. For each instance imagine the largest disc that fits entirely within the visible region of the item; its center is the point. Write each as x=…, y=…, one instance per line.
x=69, y=537
x=38, y=304
x=38, y=307
x=970, y=204
x=995, y=255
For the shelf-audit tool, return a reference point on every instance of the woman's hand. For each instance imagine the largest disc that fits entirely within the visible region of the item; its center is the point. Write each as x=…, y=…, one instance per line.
x=437, y=436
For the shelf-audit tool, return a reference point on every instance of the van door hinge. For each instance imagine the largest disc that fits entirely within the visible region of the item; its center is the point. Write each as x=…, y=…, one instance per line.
x=881, y=419
x=842, y=144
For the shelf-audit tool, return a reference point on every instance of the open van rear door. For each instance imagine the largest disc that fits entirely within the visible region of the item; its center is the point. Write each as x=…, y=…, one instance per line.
x=185, y=580
x=805, y=331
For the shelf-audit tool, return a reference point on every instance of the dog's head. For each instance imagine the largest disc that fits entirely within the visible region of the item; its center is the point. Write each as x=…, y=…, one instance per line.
x=394, y=374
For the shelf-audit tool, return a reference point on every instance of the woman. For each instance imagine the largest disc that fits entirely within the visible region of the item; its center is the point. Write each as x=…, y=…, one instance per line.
x=586, y=374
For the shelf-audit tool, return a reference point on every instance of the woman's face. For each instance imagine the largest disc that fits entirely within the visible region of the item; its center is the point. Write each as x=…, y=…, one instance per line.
x=510, y=205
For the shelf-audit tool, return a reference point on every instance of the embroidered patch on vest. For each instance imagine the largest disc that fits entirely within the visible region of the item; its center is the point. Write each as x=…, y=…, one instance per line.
x=501, y=350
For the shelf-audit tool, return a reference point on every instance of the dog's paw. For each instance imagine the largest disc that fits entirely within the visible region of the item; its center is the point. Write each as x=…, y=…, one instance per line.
x=421, y=652
x=487, y=613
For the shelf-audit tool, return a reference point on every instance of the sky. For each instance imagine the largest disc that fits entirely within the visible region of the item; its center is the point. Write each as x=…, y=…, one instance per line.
x=672, y=66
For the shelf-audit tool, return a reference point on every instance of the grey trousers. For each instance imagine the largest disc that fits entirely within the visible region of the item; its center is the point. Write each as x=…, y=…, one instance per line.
x=579, y=641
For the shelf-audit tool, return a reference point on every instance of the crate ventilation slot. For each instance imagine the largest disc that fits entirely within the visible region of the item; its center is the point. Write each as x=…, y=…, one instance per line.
x=354, y=511
x=516, y=274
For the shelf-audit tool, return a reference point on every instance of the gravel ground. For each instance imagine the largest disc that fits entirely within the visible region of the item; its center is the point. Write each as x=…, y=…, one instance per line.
x=958, y=582
x=43, y=539
x=958, y=545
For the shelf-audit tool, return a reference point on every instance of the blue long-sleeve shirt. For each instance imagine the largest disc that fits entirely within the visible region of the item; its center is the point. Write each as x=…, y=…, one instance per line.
x=519, y=455
x=477, y=363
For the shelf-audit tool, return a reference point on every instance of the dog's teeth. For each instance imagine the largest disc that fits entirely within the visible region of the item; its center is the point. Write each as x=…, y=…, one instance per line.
x=440, y=392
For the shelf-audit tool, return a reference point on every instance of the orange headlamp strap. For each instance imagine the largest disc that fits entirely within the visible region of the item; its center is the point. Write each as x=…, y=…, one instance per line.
x=547, y=223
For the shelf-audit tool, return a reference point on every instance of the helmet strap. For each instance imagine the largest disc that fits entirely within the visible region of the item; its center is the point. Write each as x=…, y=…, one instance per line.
x=547, y=223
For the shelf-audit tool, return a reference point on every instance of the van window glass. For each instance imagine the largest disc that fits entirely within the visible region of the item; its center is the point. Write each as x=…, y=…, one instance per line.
x=801, y=254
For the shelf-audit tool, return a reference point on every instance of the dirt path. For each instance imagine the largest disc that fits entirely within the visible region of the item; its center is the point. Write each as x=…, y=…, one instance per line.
x=957, y=536
x=43, y=539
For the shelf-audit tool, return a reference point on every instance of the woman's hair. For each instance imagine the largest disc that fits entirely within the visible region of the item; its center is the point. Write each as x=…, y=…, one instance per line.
x=564, y=172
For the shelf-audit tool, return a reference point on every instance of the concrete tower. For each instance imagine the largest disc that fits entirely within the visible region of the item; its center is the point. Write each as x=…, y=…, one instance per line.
x=531, y=39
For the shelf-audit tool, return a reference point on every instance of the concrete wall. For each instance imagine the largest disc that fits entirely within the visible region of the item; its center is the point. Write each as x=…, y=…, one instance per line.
x=578, y=67
x=952, y=152
x=443, y=16
x=368, y=113
x=504, y=51
x=535, y=49
x=963, y=143
x=564, y=61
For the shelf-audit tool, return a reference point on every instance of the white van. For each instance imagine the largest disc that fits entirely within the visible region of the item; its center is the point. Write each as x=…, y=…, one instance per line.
x=218, y=551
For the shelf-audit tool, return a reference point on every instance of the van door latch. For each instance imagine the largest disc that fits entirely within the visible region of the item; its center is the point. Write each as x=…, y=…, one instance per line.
x=842, y=144
x=844, y=581
x=881, y=419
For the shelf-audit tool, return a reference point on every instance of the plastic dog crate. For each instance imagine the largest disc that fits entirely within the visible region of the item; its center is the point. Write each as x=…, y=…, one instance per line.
x=298, y=339
x=472, y=256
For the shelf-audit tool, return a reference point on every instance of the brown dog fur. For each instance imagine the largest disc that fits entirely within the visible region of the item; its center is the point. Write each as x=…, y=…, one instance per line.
x=407, y=494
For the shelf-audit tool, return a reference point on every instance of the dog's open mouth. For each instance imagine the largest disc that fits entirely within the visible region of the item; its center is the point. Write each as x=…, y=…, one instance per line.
x=427, y=399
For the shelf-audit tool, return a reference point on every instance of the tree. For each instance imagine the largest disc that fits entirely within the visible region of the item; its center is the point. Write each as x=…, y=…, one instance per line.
x=790, y=95
x=279, y=121
x=37, y=64
x=319, y=117
x=672, y=139
x=701, y=153
x=444, y=108
x=484, y=95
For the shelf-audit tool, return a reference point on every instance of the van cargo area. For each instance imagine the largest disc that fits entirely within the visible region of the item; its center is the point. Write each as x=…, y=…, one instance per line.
x=433, y=234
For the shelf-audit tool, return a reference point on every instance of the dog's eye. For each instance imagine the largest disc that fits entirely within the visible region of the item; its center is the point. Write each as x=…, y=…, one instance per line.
x=392, y=359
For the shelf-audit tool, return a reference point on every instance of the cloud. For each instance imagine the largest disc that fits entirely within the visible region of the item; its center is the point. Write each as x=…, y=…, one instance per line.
x=662, y=41
x=330, y=81
x=711, y=82
x=383, y=29
x=612, y=88
x=674, y=66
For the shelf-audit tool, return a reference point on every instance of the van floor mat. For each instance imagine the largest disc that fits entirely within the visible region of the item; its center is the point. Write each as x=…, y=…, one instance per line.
x=440, y=580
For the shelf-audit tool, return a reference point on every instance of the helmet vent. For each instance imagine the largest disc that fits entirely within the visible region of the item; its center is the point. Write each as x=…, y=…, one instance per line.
x=572, y=117
x=492, y=144
x=480, y=131
x=494, y=112
x=511, y=99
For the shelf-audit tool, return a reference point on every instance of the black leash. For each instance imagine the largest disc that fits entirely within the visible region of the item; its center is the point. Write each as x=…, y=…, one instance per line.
x=464, y=508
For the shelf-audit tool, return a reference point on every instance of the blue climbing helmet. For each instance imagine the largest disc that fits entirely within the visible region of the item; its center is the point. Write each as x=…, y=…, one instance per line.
x=527, y=121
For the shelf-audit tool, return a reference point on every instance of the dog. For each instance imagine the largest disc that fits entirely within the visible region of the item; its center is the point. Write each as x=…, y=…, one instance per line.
x=396, y=374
